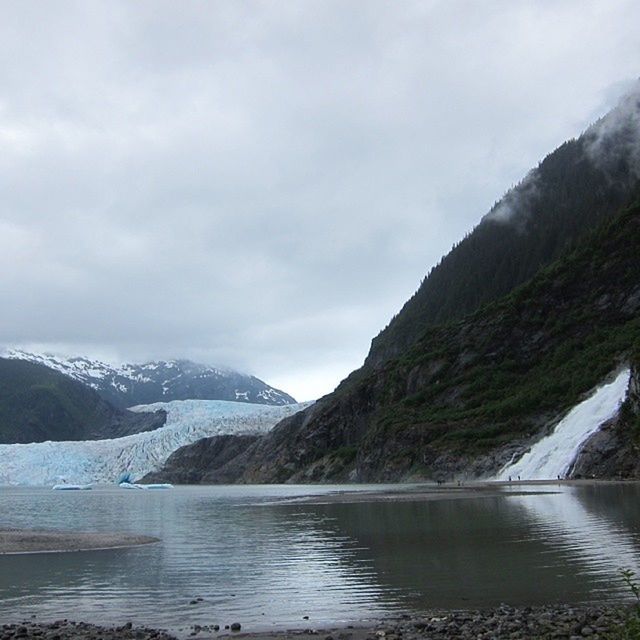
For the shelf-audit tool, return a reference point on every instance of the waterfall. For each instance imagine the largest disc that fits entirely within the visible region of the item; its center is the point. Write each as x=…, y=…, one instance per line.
x=554, y=454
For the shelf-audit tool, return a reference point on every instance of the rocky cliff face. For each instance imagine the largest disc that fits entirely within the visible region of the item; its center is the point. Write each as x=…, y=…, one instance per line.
x=207, y=461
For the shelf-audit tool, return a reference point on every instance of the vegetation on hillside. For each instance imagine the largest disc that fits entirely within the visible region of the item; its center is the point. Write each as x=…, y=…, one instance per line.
x=470, y=392
x=38, y=404
x=566, y=196
x=534, y=352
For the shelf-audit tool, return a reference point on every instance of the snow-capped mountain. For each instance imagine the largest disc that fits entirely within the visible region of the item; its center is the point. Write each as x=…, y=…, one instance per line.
x=44, y=463
x=160, y=381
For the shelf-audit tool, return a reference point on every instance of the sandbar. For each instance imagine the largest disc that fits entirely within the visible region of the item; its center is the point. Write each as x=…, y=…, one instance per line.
x=427, y=492
x=13, y=541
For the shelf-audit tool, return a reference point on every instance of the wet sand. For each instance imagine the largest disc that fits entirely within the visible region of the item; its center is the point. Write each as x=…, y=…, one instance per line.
x=14, y=541
x=449, y=491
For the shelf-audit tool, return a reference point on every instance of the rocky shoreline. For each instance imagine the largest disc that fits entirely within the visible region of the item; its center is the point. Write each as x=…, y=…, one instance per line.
x=555, y=622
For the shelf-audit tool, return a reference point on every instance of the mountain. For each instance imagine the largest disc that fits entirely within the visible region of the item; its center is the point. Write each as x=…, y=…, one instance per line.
x=160, y=381
x=38, y=404
x=526, y=316
x=187, y=421
x=472, y=395
x=572, y=190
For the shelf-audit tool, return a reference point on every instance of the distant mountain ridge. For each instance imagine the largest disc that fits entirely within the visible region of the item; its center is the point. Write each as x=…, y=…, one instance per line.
x=160, y=381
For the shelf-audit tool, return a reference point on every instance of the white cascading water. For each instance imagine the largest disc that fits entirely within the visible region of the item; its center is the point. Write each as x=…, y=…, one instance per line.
x=553, y=455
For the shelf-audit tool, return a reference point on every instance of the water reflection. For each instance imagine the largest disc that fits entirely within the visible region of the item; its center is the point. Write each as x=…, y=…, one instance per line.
x=451, y=554
x=590, y=524
x=268, y=564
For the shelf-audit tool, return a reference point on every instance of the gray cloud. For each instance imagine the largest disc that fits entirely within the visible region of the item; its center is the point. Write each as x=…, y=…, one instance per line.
x=263, y=184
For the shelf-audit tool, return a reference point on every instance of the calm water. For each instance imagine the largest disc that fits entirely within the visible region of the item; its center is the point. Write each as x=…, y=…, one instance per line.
x=266, y=564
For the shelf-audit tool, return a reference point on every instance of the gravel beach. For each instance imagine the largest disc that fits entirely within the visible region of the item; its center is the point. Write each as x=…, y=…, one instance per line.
x=556, y=622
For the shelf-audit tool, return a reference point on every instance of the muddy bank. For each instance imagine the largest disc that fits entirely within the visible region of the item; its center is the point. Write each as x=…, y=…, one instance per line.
x=430, y=492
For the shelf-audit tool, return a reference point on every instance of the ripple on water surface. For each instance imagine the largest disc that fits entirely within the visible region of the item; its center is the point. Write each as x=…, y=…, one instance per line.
x=264, y=563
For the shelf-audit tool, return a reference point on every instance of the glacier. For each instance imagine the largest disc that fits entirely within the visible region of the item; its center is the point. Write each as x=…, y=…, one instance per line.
x=552, y=456
x=104, y=461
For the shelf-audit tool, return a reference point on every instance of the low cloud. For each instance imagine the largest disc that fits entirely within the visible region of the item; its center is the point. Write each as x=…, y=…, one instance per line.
x=518, y=203
x=616, y=136
x=263, y=184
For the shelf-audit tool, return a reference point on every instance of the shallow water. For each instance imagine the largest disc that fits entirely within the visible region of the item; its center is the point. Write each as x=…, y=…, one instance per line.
x=267, y=564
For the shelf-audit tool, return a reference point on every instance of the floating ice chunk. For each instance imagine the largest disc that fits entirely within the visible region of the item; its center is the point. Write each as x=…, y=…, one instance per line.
x=72, y=487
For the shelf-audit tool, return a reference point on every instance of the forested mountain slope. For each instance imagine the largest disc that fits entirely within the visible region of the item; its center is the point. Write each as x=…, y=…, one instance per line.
x=470, y=394
x=39, y=404
x=572, y=190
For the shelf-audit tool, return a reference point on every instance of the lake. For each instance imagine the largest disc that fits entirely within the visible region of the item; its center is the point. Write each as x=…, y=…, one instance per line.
x=266, y=563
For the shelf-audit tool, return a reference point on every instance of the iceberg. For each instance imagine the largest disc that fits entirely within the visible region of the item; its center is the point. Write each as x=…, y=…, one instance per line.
x=103, y=461
x=72, y=487
x=133, y=485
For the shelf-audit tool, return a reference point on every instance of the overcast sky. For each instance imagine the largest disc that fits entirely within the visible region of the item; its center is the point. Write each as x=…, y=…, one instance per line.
x=263, y=184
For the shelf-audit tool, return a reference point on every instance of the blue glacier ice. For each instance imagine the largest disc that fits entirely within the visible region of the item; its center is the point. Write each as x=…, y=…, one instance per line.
x=104, y=461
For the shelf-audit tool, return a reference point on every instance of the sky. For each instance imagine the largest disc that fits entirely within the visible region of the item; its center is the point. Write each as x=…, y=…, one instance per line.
x=262, y=185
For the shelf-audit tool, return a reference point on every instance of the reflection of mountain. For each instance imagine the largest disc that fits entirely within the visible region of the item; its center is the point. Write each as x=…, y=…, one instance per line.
x=333, y=562
x=263, y=565
x=481, y=552
x=618, y=503
x=575, y=520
